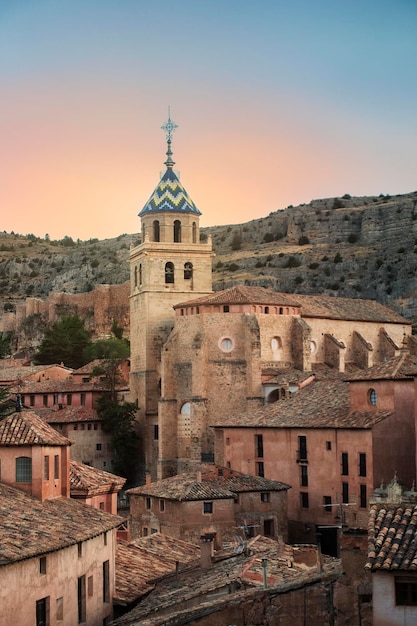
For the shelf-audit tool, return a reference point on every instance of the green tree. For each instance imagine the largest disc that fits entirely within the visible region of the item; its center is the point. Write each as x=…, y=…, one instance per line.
x=65, y=341
x=118, y=420
x=7, y=407
x=5, y=344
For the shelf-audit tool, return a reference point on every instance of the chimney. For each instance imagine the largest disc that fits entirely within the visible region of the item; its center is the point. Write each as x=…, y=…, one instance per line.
x=206, y=546
x=199, y=477
x=148, y=479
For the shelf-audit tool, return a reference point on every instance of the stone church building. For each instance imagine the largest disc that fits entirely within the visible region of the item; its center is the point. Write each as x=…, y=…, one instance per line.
x=197, y=355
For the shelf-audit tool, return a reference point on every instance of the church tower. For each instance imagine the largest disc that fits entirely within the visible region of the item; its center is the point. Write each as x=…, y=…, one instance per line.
x=169, y=266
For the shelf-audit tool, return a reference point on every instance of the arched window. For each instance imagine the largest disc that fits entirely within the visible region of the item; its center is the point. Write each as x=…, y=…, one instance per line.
x=177, y=231
x=156, y=234
x=140, y=274
x=23, y=469
x=136, y=276
x=194, y=232
x=188, y=271
x=169, y=272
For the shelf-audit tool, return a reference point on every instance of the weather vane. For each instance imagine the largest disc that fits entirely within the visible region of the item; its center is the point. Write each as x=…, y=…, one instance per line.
x=169, y=127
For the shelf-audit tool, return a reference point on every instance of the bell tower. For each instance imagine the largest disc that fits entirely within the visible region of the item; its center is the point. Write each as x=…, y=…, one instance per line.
x=169, y=266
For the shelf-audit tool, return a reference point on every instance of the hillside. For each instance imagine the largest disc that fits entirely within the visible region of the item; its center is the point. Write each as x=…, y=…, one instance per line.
x=356, y=247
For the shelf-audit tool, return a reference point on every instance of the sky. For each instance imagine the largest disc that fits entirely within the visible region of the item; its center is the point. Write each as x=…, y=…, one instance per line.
x=277, y=103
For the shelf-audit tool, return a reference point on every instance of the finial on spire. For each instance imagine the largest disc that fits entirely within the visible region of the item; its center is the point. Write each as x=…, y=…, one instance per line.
x=169, y=127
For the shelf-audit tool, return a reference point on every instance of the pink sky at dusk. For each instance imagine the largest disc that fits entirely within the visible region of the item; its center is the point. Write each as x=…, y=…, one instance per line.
x=276, y=105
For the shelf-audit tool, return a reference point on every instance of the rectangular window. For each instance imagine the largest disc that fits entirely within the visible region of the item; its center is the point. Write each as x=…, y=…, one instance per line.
x=42, y=612
x=304, y=500
x=362, y=464
x=328, y=445
x=56, y=398
x=69, y=399
x=345, y=464
x=106, y=581
x=56, y=466
x=226, y=308
x=98, y=446
x=46, y=467
x=59, y=609
x=145, y=532
x=260, y=470
x=90, y=586
x=345, y=493
x=304, y=475
x=81, y=600
x=362, y=497
x=23, y=469
x=45, y=399
x=327, y=502
x=208, y=507
x=32, y=400
x=302, y=448
x=82, y=399
x=89, y=426
x=80, y=549
x=42, y=565
x=105, y=538
x=162, y=505
x=148, y=503
x=259, y=446
x=156, y=432
x=265, y=496
x=405, y=591
x=95, y=426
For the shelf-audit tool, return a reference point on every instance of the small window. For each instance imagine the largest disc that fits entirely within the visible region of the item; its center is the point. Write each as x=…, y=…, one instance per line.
x=32, y=400
x=156, y=432
x=135, y=282
x=188, y=271
x=226, y=344
x=405, y=591
x=226, y=308
x=145, y=532
x=345, y=464
x=362, y=497
x=81, y=600
x=69, y=399
x=56, y=466
x=194, y=229
x=372, y=397
x=98, y=446
x=46, y=467
x=148, y=503
x=259, y=446
x=82, y=399
x=265, y=496
x=101, y=505
x=106, y=581
x=56, y=398
x=42, y=611
x=304, y=475
x=89, y=426
x=362, y=464
x=156, y=231
x=345, y=493
x=75, y=427
x=327, y=503
x=94, y=426
x=169, y=273
x=227, y=441
x=80, y=549
x=105, y=539
x=23, y=469
x=208, y=507
x=304, y=500
x=260, y=469
x=177, y=231
x=302, y=448
x=42, y=565
x=328, y=445
x=90, y=585
x=162, y=505
x=59, y=609
x=45, y=399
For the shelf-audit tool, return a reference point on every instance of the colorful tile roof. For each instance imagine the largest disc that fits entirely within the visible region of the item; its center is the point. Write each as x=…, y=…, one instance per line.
x=392, y=537
x=86, y=478
x=321, y=404
x=212, y=486
x=30, y=527
x=169, y=195
x=26, y=428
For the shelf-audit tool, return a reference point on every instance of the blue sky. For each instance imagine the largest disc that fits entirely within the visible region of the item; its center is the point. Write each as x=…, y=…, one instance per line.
x=277, y=103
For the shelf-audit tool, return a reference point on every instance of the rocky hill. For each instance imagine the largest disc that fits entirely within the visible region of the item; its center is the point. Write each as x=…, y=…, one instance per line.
x=349, y=246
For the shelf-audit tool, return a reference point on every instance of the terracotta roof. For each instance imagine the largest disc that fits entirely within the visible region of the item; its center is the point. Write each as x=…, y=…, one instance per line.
x=240, y=294
x=89, y=367
x=311, y=306
x=68, y=415
x=26, y=428
x=141, y=562
x=187, y=486
x=11, y=374
x=396, y=368
x=30, y=527
x=392, y=537
x=60, y=386
x=86, y=478
x=322, y=404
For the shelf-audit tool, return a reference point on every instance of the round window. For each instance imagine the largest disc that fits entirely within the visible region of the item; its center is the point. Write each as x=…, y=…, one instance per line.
x=313, y=347
x=226, y=344
x=372, y=397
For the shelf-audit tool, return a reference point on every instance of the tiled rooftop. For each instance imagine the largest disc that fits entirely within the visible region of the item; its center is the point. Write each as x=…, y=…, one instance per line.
x=11, y=374
x=140, y=563
x=392, y=537
x=30, y=527
x=86, y=478
x=311, y=306
x=68, y=415
x=169, y=195
x=396, y=368
x=188, y=486
x=322, y=404
x=26, y=428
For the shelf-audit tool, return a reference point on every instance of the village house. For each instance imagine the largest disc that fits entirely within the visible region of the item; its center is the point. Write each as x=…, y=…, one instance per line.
x=214, y=502
x=57, y=557
x=392, y=555
x=329, y=440
x=18, y=374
